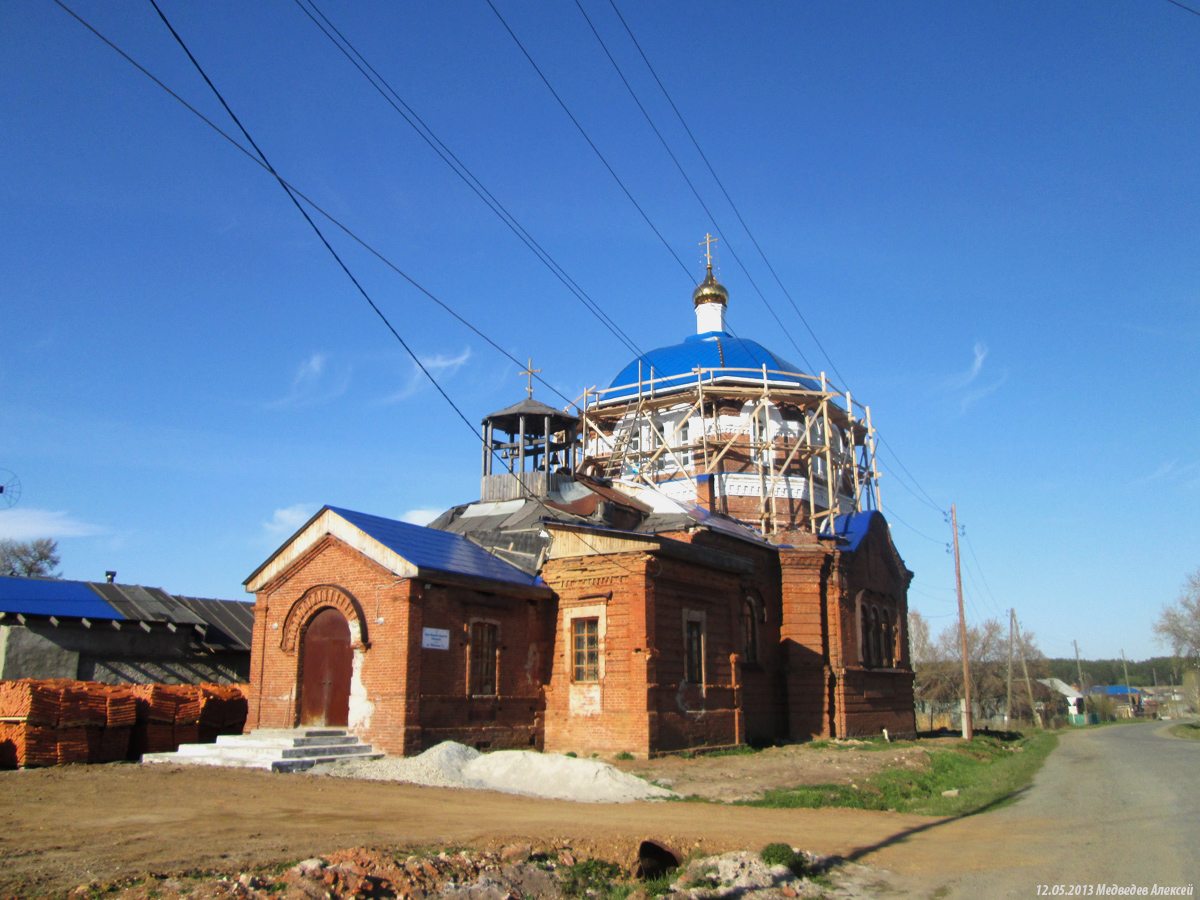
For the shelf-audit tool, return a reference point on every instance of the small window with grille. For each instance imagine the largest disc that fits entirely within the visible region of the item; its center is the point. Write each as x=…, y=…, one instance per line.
x=749, y=623
x=483, y=659
x=694, y=652
x=585, y=648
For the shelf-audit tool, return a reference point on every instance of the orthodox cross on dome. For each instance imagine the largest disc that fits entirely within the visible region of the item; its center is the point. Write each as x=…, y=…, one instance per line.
x=708, y=241
x=530, y=371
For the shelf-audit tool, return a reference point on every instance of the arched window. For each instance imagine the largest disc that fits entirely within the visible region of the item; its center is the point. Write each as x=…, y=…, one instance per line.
x=875, y=652
x=749, y=625
x=864, y=644
x=888, y=642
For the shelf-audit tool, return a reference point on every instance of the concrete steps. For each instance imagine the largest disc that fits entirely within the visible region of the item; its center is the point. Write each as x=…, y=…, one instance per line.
x=277, y=749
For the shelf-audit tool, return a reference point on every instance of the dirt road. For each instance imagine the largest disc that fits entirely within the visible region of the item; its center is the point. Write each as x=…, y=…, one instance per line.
x=63, y=827
x=1113, y=805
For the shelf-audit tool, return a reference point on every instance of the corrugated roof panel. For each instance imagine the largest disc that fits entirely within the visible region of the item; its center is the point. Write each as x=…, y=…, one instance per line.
x=52, y=597
x=230, y=622
x=441, y=551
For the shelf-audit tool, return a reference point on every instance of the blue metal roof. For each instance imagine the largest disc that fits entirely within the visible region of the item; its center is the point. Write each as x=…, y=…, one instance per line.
x=51, y=597
x=1114, y=690
x=441, y=551
x=715, y=350
x=853, y=527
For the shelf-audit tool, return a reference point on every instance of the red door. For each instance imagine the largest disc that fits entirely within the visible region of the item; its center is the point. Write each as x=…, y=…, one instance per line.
x=327, y=661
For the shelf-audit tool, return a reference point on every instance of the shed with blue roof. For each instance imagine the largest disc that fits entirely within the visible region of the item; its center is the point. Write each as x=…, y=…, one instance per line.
x=119, y=633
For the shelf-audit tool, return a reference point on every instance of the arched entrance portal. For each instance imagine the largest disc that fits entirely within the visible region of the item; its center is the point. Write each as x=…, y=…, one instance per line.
x=328, y=662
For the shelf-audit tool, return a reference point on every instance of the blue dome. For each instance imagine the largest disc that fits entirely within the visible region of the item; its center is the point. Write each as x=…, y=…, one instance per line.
x=674, y=366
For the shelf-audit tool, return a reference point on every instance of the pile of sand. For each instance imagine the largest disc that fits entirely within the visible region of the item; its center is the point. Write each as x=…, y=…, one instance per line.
x=549, y=775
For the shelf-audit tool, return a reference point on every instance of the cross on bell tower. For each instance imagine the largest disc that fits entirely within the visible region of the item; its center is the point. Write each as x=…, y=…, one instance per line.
x=530, y=371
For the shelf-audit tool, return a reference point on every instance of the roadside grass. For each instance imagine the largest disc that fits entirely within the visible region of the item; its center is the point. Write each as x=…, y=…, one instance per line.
x=1187, y=730
x=741, y=750
x=987, y=772
x=862, y=744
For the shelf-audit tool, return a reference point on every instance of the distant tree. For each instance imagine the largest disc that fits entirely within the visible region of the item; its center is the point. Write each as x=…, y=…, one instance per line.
x=1179, y=623
x=31, y=559
x=937, y=664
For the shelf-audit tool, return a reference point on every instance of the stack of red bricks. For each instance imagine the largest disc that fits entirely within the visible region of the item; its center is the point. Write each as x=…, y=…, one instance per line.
x=56, y=721
x=44, y=723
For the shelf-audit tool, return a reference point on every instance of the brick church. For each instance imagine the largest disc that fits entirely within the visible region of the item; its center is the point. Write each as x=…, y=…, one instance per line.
x=693, y=558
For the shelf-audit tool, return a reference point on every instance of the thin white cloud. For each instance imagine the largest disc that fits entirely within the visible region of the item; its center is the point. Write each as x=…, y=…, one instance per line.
x=420, y=516
x=977, y=394
x=963, y=379
x=966, y=387
x=310, y=370
x=313, y=384
x=1188, y=474
x=286, y=520
x=437, y=366
x=28, y=524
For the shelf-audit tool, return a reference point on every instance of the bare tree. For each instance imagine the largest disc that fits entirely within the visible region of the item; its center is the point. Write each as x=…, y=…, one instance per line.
x=30, y=559
x=1179, y=623
x=919, y=640
x=937, y=664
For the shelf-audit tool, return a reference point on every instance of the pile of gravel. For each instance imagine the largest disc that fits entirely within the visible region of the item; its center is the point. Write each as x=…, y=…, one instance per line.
x=548, y=775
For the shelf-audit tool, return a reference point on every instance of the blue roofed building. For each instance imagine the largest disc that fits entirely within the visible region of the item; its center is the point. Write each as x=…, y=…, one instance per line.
x=120, y=633
x=693, y=558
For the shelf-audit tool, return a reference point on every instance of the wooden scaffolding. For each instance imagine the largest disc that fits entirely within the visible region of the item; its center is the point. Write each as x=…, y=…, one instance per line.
x=799, y=437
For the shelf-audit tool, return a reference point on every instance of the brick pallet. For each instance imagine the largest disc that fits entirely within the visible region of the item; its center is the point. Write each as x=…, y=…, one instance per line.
x=56, y=721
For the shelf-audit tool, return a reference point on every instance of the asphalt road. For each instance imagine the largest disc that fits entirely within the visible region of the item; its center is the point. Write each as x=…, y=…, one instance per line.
x=1115, y=805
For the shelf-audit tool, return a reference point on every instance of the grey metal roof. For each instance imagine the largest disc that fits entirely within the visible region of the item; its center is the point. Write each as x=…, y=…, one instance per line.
x=146, y=604
x=222, y=624
x=230, y=622
x=512, y=529
x=535, y=413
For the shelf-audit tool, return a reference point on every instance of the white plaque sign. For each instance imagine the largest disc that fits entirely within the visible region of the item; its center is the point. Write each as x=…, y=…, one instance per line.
x=435, y=638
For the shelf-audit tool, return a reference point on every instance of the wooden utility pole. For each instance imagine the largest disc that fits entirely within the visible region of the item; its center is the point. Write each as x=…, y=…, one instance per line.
x=1025, y=667
x=967, y=731
x=1128, y=692
x=1082, y=689
x=1008, y=709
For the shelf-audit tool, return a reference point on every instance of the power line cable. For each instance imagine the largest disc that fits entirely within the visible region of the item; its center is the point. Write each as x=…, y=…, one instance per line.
x=928, y=501
x=721, y=185
x=982, y=598
x=979, y=568
x=749, y=233
x=900, y=481
x=461, y=170
x=299, y=206
x=591, y=144
x=1194, y=12
x=307, y=199
x=892, y=515
x=690, y=184
x=913, y=590
x=266, y=164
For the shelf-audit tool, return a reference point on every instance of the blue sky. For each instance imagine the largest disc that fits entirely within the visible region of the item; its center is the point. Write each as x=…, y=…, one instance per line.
x=985, y=212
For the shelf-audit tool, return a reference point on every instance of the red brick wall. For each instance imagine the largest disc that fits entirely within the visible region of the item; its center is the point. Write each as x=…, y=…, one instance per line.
x=512, y=718
x=616, y=585
x=808, y=681
x=407, y=698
